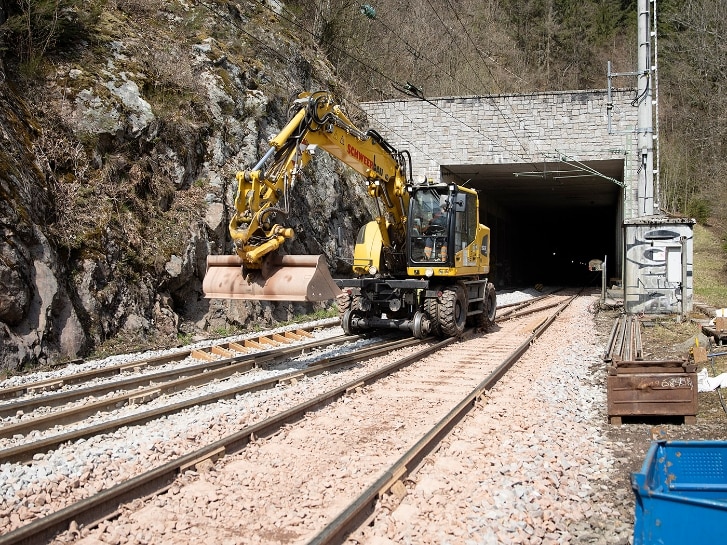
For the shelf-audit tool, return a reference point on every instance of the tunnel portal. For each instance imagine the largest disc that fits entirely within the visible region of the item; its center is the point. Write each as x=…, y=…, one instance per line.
x=549, y=221
x=557, y=173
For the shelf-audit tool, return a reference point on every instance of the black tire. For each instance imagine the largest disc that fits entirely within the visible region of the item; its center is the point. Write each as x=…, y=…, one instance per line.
x=490, y=313
x=344, y=303
x=347, y=301
x=431, y=307
x=453, y=311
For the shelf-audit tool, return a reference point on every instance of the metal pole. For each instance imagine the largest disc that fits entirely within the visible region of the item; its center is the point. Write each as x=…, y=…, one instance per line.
x=683, y=240
x=609, y=101
x=645, y=191
x=603, y=280
x=657, y=143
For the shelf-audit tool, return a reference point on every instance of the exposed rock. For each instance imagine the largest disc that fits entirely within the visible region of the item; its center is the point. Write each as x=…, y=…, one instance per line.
x=118, y=174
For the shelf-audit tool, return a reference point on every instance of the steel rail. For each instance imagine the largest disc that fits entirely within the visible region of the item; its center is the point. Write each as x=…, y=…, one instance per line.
x=190, y=376
x=25, y=452
x=107, y=502
x=257, y=359
x=75, y=414
x=113, y=370
x=523, y=304
x=363, y=506
x=527, y=312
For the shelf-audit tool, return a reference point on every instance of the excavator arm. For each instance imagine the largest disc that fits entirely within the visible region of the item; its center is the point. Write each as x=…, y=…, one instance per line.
x=263, y=195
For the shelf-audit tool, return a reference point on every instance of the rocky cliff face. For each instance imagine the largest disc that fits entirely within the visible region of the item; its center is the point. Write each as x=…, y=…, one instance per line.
x=117, y=166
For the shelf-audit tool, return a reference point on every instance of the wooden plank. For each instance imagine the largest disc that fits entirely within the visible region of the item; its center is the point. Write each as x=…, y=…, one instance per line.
x=221, y=352
x=281, y=338
x=237, y=347
x=202, y=355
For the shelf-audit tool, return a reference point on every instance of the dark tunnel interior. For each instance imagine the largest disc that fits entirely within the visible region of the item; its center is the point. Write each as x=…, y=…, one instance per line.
x=548, y=221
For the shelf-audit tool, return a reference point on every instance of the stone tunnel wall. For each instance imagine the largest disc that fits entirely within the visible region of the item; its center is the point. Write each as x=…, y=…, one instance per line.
x=531, y=128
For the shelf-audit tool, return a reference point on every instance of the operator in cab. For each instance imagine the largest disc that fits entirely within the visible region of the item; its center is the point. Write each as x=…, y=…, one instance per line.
x=436, y=231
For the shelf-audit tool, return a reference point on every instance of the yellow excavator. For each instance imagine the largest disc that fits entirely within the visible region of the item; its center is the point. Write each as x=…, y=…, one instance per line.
x=421, y=266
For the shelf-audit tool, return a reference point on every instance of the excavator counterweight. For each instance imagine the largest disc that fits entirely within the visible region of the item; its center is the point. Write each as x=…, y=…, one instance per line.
x=282, y=278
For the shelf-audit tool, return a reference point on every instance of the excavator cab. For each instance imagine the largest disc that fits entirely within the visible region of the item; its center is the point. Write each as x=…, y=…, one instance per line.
x=430, y=225
x=444, y=233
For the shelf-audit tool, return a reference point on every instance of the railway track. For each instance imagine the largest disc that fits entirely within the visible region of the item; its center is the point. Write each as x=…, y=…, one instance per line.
x=84, y=512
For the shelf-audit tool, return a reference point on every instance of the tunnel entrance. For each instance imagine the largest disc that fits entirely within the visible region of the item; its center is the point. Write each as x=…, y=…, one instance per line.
x=548, y=220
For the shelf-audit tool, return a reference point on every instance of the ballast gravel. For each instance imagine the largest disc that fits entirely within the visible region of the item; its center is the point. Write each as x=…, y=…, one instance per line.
x=530, y=465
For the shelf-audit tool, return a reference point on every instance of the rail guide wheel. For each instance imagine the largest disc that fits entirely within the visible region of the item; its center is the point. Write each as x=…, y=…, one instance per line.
x=347, y=321
x=421, y=324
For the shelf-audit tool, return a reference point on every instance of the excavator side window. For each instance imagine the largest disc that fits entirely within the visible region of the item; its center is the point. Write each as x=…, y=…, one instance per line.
x=465, y=220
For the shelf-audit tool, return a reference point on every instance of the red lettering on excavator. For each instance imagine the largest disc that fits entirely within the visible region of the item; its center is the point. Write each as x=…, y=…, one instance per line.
x=356, y=154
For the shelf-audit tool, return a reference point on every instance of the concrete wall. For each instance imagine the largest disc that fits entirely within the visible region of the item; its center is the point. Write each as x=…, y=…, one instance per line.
x=543, y=127
x=532, y=128
x=659, y=270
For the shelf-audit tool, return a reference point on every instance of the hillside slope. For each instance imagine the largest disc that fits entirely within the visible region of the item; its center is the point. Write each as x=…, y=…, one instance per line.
x=123, y=123
x=117, y=159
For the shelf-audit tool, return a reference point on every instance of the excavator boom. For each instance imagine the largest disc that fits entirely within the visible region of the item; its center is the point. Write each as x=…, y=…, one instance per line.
x=256, y=272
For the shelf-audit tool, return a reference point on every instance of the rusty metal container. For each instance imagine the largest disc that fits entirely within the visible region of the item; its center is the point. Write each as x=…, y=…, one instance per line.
x=652, y=388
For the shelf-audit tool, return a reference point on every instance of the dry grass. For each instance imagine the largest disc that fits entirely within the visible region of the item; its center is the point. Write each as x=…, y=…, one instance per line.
x=710, y=268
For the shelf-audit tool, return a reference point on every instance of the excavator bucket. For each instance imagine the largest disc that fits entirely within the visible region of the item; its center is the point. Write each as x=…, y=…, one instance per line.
x=283, y=278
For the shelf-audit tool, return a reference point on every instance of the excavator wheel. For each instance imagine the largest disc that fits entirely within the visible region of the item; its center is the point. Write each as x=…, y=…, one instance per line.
x=490, y=313
x=343, y=302
x=453, y=311
x=484, y=320
x=431, y=307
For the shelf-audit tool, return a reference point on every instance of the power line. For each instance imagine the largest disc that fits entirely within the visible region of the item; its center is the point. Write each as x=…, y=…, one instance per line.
x=475, y=72
x=477, y=48
x=282, y=57
x=394, y=82
x=381, y=74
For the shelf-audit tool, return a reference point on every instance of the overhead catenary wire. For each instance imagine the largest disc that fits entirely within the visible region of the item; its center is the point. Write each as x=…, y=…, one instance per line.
x=371, y=14
x=475, y=72
x=477, y=48
x=396, y=83
x=361, y=62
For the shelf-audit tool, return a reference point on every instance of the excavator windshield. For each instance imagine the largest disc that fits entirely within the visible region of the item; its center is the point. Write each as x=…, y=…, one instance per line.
x=430, y=220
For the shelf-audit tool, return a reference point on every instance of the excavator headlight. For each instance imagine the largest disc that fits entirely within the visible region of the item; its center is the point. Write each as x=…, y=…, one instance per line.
x=373, y=270
x=429, y=272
